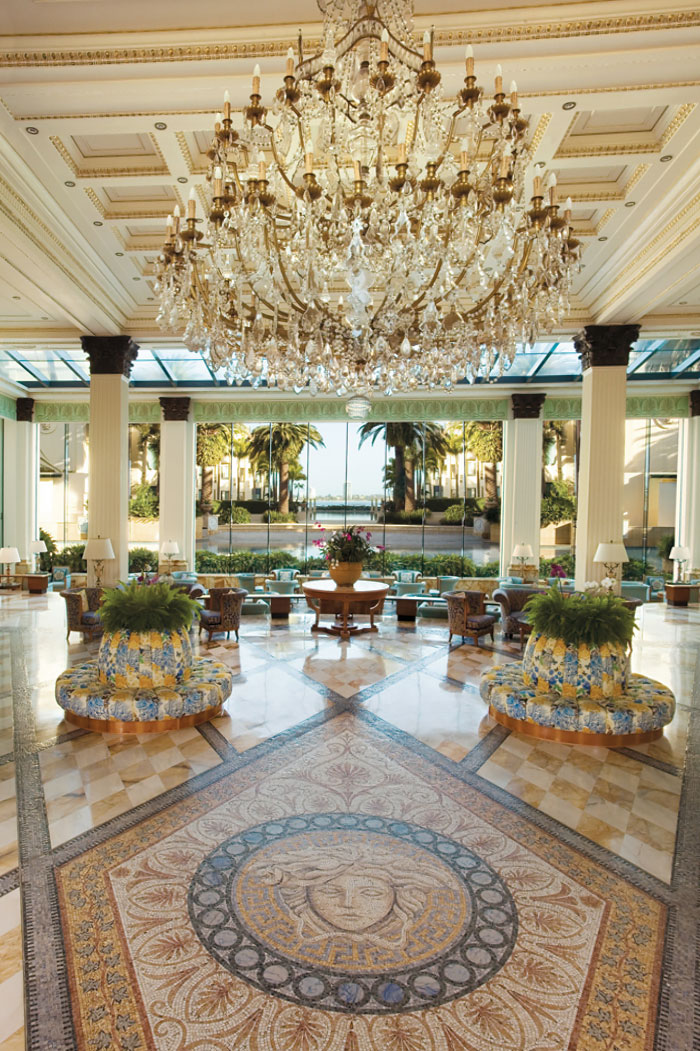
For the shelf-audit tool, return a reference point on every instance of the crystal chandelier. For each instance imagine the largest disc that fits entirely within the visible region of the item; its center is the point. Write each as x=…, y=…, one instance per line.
x=367, y=232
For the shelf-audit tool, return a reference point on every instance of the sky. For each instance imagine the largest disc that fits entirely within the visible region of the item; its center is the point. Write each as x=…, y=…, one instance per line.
x=327, y=464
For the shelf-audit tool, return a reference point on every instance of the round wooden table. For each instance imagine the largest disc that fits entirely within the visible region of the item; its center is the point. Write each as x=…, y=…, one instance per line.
x=325, y=597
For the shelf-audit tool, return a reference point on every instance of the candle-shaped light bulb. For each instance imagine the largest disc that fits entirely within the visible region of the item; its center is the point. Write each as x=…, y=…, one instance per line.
x=427, y=46
x=384, y=46
x=227, y=106
x=191, y=203
x=256, y=79
x=499, y=80
x=176, y=211
x=568, y=205
x=505, y=166
x=513, y=94
x=357, y=170
x=552, y=186
x=537, y=187
x=170, y=225
x=309, y=163
x=262, y=172
x=567, y=210
x=217, y=182
x=469, y=58
x=217, y=121
x=290, y=62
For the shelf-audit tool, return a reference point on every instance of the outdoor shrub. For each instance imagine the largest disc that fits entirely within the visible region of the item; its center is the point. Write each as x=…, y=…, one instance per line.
x=634, y=569
x=71, y=556
x=141, y=560
x=279, y=516
x=454, y=515
x=558, y=503
x=664, y=545
x=144, y=502
x=47, y=558
x=567, y=563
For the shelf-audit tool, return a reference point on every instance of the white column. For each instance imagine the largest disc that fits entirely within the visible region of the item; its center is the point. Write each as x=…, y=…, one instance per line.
x=111, y=358
x=21, y=474
x=688, y=485
x=177, y=476
x=521, y=493
x=604, y=351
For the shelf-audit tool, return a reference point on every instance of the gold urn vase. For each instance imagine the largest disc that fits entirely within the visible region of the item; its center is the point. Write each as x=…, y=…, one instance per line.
x=345, y=573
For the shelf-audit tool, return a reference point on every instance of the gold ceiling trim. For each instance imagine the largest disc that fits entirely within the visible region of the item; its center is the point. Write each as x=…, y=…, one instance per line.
x=492, y=34
x=92, y=196
x=605, y=195
x=119, y=114
x=542, y=125
x=567, y=149
x=606, y=217
x=689, y=230
x=164, y=208
x=108, y=173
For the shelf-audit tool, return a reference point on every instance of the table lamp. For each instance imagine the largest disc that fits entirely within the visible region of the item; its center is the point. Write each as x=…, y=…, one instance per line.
x=522, y=553
x=611, y=555
x=37, y=547
x=680, y=555
x=99, y=550
x=8, y=557
x=169, y=550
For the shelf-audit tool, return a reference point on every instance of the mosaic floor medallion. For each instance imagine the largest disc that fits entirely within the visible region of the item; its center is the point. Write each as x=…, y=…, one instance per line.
x=353, y=913
x=342, y=893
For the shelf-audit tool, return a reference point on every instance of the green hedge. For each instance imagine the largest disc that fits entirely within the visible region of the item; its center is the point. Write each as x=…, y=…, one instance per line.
x=144, y=502
x=382, y=561
x=279, y=516
x=404, y=517
x=140, y=557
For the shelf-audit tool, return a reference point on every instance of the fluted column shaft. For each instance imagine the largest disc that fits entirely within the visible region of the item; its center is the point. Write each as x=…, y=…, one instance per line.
x=177, y=476
x=688, y=485
x=21, y=474
x=521, y=494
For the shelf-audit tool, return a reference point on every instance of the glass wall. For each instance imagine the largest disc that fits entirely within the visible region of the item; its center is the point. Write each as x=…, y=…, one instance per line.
x=651, y=452
x=263, y=491
x=63, y=481
x=144, y=486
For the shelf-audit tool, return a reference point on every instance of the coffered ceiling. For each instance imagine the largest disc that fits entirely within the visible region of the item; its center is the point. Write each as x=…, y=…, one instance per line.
x=106, y=111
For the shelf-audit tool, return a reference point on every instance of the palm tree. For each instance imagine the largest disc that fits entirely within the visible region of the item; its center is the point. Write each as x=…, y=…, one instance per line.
x=147, y=437
x=485, y=442
x=279, y=445
x=213, y=446
x=406, y=439
x=553, y=436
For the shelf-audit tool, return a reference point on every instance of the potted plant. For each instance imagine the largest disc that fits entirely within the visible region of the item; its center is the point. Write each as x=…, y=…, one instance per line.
x=145, y=642
x=579, y=646
x=345, y=551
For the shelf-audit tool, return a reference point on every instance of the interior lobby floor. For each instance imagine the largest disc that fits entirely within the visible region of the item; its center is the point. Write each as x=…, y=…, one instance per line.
x=210, y=888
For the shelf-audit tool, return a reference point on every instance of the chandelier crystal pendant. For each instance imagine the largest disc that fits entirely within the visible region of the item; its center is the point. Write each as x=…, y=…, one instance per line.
x=366, y=233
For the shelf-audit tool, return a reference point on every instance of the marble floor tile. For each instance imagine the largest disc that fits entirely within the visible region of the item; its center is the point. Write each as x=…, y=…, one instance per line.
x=11, y=991
x=91, y=779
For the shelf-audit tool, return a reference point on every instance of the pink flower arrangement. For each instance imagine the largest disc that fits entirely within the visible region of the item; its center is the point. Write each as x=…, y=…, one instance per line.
x=346, y=545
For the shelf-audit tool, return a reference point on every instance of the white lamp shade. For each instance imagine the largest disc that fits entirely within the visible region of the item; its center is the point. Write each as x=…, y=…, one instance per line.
x=679, y=554
x=170, y=548
x=522, y=551
x=38, y=547
x=99, y=549
x=9, y=554
x=611, y=553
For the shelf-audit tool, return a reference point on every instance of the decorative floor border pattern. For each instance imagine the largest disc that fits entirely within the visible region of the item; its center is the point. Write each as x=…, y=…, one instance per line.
x=49, y=1024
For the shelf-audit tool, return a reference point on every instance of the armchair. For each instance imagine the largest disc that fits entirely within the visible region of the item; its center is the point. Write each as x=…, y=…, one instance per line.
x=283, y=574
x=467, y=615
x=82, y=612
x=407, y=576
x=60, y=578
x=224, y=613
x=512, y=602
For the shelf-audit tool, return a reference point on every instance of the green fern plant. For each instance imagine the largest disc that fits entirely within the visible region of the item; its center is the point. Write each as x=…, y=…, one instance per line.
x=146, y=607
x=592, y=620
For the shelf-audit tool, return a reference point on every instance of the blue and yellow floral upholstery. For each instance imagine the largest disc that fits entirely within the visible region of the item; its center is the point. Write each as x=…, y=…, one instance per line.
x=80, y=690
x=145, y=659
x=551, y=666
x=645, y=706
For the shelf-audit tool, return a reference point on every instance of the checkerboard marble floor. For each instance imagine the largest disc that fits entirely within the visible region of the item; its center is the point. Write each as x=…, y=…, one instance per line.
x=625, y=801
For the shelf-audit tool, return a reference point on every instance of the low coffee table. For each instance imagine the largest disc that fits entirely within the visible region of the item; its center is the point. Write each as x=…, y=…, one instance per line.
x=677, y=594
x=280, y=605
x=325, y=597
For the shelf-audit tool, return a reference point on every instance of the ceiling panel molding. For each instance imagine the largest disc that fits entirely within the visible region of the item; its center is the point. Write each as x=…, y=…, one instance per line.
x=492, y=30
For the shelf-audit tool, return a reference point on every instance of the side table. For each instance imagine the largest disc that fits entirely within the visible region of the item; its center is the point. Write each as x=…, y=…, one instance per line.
x=365, y=597
x=677, y=594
